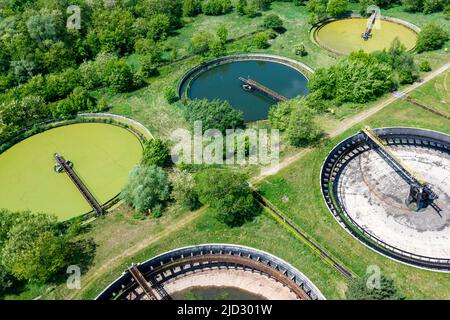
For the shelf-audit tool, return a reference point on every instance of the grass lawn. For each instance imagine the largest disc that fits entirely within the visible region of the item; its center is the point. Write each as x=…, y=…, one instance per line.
x=102, y=154
x=436, y=94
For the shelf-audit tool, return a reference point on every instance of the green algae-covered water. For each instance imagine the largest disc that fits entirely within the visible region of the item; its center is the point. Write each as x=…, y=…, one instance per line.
x=344, y=36
x=102, y=154
x=222, y=82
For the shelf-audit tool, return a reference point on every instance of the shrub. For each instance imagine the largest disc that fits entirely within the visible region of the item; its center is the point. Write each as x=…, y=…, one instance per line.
x=300, y=50
x=431, y=37
x=170, y=95
x=360, y=290
x=251, y=9
x=148, y=67
x=272, y=21
x=261, y=40
x=425, y=66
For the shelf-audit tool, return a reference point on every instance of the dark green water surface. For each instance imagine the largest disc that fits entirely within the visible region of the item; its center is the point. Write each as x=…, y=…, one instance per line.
x=222, y=82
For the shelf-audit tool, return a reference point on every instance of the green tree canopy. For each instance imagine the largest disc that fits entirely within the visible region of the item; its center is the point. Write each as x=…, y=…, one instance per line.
x=228, y=194
x=183, y=190
x=34, y=249
x=214, y=114
x=431, y=37
x=156, y=152
x=272, y=21
x=147, y=189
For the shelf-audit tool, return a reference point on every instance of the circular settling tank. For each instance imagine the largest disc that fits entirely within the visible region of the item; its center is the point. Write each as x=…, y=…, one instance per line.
x=212, y=271
x=102, y=155
x=222, y=82
x=368, y=194
x=344, y=36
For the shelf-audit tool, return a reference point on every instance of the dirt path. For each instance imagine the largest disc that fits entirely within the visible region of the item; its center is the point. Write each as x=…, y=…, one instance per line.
x=348, y=123
x=96, y=273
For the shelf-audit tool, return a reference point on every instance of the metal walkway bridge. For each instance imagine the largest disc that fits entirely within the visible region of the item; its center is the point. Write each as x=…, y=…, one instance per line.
x=420, y=193
x=79, y=184
x=368, y=32
x=257, y=86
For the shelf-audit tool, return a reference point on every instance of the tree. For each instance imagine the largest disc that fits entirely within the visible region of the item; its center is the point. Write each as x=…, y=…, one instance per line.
x=272, y=21
x=214, y=114
x=79, y=100
x=46, y=25
x=279, y=114
x=191, y=8
x=156, y=152
x=302, y=129
x=216, y=7
x=111, y=31
x=35, y=248
x=25, y=112
x=317, y=10
x=251, y=9
x=201, y=42
x=171, y=8
x=183, y=190
x=359, y=78
x=228, y=194
x=413, y=5
x=158, y=27
x=430, y=6
x=261, y=40
x=431, y=37
x=337, y=7
x=240, y=7
x=360, y=290
x=401, y=61
x=217, y=48
x=23, y=70
x=119, y=76
x=222, y=33
x=262, y=4
x=147, y=189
